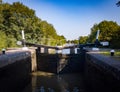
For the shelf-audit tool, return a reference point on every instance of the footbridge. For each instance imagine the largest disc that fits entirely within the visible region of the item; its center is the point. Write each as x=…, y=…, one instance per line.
x=46, y=47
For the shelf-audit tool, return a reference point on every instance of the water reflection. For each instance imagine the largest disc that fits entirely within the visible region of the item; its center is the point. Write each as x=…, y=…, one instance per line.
x=48, y=82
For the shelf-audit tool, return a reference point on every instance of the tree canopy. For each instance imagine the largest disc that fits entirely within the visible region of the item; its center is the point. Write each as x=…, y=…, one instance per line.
x=17, y=17
x=109, y=31
x=118, y=3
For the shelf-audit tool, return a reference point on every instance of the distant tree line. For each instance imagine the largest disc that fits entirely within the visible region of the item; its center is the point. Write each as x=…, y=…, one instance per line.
x=109, y=31
x=17, y=17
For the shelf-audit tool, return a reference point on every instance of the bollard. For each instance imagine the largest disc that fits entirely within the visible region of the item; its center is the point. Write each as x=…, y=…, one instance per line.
x=3, y=51
x=112, y=52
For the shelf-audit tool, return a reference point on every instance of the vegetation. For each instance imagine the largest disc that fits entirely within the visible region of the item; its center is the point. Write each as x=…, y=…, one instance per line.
x=109, y=31
x=17, y=17
x=83, y=39
x=118, y=3
x=117, y=53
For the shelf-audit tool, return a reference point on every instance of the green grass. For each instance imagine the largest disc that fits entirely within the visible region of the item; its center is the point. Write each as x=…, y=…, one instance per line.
x=117, y=53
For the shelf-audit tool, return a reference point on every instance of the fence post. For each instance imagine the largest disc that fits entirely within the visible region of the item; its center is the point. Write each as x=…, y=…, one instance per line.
x=72, y=50
x=46, y=50
x=38, y=51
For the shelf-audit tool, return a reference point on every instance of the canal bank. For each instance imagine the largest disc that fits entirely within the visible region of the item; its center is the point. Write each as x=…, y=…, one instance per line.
x=99, y=73
x=15, y=69
x=102, y=72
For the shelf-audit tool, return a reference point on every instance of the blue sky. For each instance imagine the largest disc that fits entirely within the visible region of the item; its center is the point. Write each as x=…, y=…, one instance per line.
x=74, y=18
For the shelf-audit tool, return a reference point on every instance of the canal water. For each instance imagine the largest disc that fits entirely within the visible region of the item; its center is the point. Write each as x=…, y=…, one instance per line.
x=49, y=82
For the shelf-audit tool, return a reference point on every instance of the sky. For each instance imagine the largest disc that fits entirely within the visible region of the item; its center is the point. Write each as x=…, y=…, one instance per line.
x=74, y=18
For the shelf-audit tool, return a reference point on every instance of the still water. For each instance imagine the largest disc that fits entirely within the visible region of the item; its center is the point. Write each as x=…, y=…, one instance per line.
x=49, y=82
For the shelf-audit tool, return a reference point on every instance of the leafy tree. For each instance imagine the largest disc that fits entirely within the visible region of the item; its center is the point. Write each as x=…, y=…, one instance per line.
x=93, y=33
x=61, y=40
x=118, y=3
x=83, y=39
x=17, y=17
x=3, y=40
x=115, y=42
x=109, y=31
x=75, y=41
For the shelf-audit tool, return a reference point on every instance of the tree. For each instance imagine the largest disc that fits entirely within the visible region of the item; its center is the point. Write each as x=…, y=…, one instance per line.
x=17, y=17
x=109, y=31
x=115, y=42
x=83, y=39
x=93, y=33
x=118, y=3
x=3, y=41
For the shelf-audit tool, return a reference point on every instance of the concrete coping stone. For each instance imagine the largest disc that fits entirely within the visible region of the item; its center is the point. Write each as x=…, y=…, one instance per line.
x=9, y=58
x=108, y=63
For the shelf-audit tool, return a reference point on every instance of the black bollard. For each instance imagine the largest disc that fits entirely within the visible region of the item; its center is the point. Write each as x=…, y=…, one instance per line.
x=112, y=52
x=3, y=51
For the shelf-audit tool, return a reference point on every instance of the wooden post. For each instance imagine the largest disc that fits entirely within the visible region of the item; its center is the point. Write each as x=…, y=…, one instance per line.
x=39, y=50
x=46, y=50
x=72, y=50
